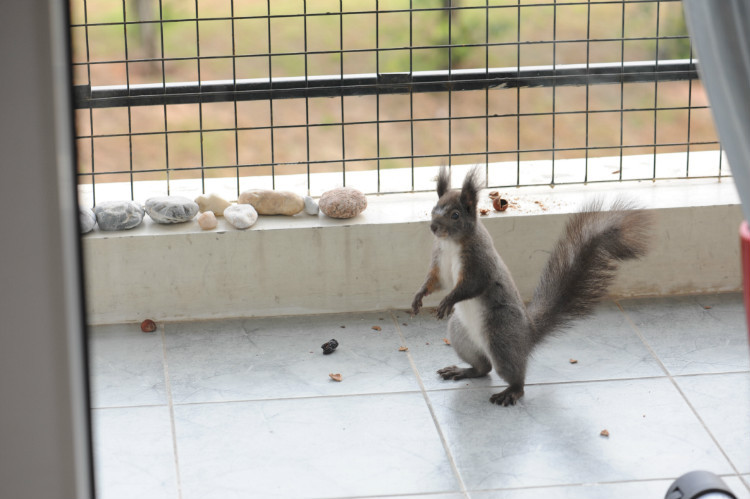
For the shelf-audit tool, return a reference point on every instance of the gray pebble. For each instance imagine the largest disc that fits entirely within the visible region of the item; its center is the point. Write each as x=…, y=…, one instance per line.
x=171, y=209
x=118, y=215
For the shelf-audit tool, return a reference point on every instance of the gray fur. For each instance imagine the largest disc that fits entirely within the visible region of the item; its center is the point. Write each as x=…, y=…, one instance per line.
x=576, y=277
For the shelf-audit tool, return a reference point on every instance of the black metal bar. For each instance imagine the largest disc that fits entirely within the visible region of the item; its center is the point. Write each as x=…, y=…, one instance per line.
x=426, y=156
x=341, y=98
x=656, y=86
x=91, y=112
x=234, y=78
x=387, y=83
x=554, y=90
x=381, y=49
x=395, y=121
x=518, y=96
x=307, y=101
x=200, y=91
x=271, y=85
x=456, y=8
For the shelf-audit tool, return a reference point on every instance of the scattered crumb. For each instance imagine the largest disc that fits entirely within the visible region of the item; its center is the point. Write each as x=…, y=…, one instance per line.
x=342, y=327
x=604, y=433
x=380, y=319
x=708, y=307
x=403, y=349
x=377, y=328
x=494, y=194
x=335, y=377
x=427, y=343
x=404, y=324
x=615, y=172
x=573, y=361
x=484, y=212
x=446, y=341
x=541, y=205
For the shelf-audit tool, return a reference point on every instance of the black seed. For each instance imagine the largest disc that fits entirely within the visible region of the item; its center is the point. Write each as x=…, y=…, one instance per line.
x=329, y=346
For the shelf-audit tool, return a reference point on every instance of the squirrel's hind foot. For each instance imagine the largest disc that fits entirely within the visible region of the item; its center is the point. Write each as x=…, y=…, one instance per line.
x=507, y=397
x=457, y=373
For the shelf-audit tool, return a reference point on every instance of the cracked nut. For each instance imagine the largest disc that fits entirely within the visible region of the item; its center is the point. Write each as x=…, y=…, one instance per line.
x=500, y=204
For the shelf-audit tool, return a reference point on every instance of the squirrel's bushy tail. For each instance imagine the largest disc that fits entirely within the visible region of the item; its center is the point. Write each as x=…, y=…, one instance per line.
x=584, y=262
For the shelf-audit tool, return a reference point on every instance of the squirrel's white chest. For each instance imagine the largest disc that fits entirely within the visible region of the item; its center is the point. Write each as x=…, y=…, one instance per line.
x=450, y=263
x=468, y=312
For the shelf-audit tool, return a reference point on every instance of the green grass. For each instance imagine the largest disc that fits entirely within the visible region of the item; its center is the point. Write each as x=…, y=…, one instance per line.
x=406, y=39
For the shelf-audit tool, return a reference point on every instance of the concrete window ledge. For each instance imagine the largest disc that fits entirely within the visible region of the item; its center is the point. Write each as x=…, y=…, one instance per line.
x=309, y=265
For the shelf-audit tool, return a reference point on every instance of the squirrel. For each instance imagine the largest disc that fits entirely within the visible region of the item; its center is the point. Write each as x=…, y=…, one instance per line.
x=489, y=324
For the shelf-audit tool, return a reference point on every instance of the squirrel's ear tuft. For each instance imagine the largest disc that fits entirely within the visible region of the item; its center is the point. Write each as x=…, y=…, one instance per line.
x=470, y=190
x=443, y=181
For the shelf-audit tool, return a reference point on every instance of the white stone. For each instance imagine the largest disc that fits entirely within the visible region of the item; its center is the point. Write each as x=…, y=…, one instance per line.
x=212, y=202
x=88, y=219
x=207, y=220
x=342, y=202
x=273, y=202
x=241, y=216
x=118, y=215
x=171, y=209
x=311, y=207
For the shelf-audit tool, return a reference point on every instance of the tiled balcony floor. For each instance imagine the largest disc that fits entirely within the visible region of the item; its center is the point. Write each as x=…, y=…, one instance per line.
x=245, y=408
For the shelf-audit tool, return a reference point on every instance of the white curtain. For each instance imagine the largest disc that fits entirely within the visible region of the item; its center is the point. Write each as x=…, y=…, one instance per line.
x=720, y=32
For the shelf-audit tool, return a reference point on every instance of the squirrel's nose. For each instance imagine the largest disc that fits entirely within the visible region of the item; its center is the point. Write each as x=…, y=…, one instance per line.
x=433, y=227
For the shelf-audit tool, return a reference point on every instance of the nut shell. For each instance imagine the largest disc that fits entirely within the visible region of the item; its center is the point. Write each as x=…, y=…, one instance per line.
x=500, y=204
x=148, y=326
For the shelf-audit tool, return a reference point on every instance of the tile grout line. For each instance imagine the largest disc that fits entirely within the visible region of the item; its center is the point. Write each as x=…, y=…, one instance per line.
x=435, y=421
x=669, y=376
x=170, y=404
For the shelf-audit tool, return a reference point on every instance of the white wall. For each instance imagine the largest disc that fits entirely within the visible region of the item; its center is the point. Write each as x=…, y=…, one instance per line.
x=309, y=265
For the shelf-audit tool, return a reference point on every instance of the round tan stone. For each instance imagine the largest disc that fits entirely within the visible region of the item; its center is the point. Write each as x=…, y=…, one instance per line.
x=342, y=202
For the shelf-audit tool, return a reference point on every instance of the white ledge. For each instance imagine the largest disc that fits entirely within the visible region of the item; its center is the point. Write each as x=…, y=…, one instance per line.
x=309, y=265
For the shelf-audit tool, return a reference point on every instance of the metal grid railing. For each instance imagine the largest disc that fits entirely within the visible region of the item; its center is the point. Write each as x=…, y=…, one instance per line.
x=253, y=94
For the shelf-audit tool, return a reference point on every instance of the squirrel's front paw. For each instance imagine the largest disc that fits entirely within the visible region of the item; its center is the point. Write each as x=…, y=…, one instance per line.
x=444, y=309
x=416, y=305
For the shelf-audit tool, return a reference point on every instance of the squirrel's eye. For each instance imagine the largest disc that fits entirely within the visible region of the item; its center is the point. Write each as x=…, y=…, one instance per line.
x=455, y=215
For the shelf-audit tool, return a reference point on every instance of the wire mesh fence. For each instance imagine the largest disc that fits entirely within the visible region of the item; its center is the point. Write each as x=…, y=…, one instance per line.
x=223, y=95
